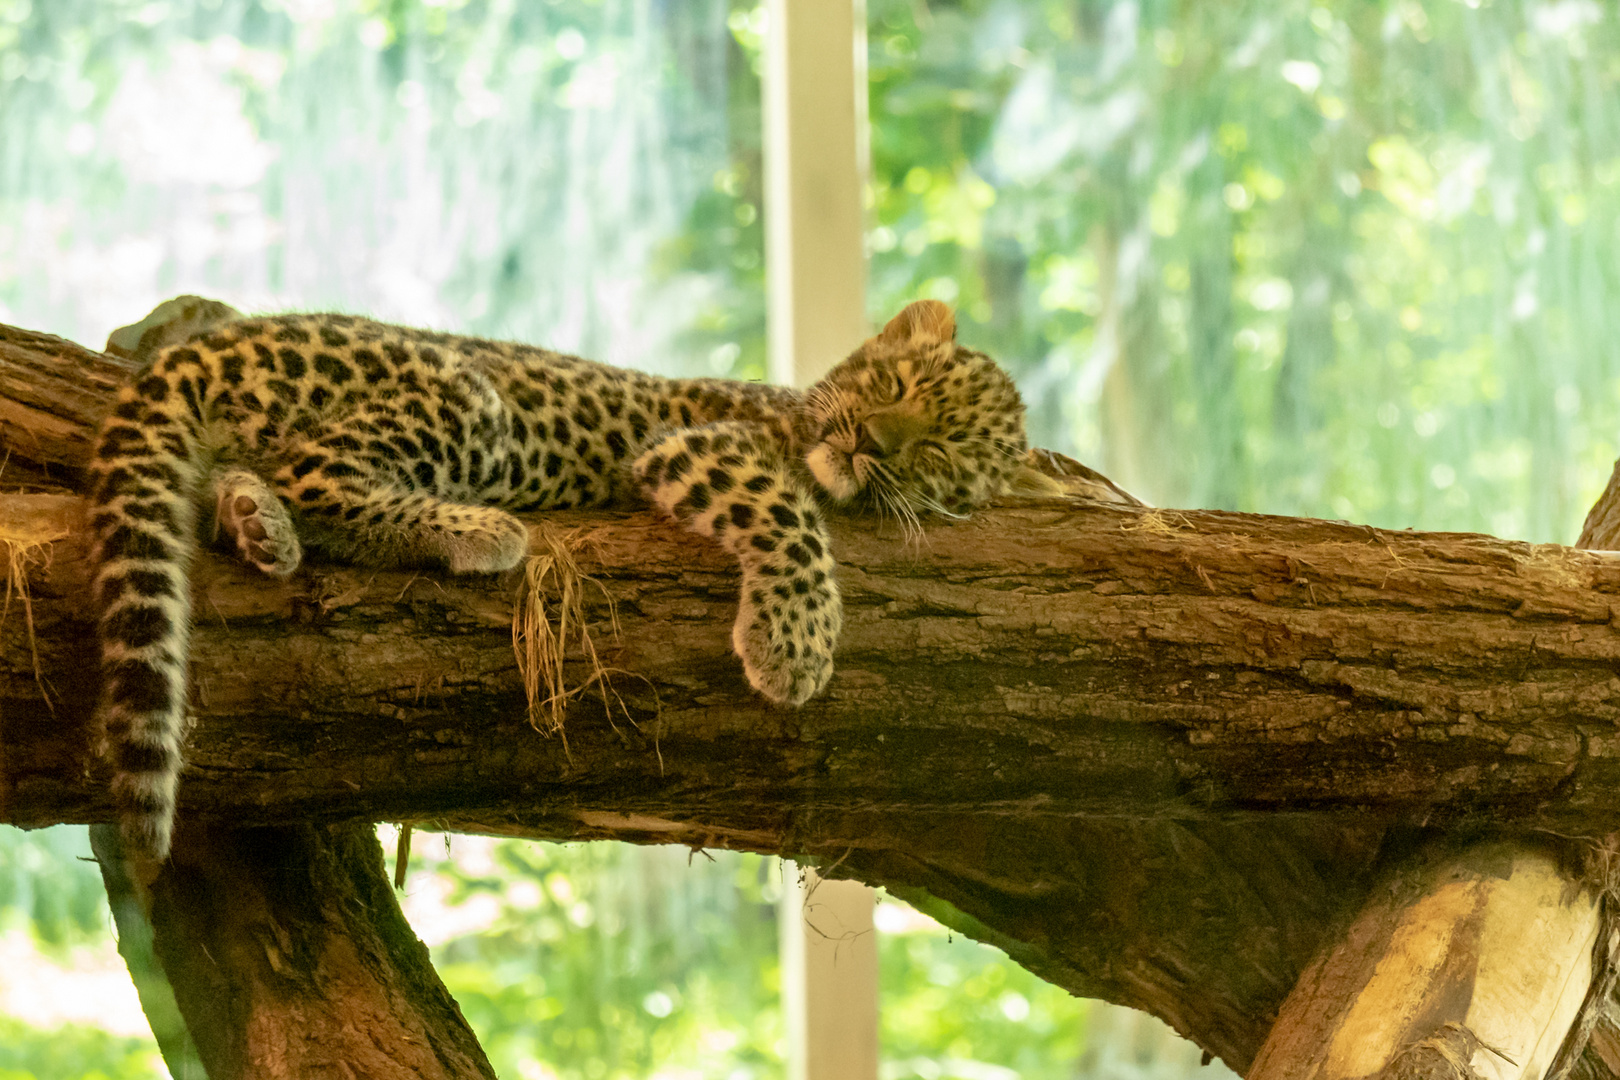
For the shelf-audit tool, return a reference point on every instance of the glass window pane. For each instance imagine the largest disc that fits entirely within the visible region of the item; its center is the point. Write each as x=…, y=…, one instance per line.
x=1331, y=258
x=549, y=172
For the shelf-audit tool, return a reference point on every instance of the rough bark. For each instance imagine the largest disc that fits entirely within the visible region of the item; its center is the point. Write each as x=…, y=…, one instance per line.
x=285, y=952
x=1602, y=1058
x=52, y=393
x=290, y=959
x=1057, y=659
x=1130, y=751
x=1157, y=756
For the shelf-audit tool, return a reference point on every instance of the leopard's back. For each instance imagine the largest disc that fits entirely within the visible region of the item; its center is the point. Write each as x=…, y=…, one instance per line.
x=478, y=420
x=379, y=444
x=385, y=445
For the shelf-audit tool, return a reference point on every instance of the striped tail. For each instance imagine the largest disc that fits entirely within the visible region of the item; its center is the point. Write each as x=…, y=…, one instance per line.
x=147, y=472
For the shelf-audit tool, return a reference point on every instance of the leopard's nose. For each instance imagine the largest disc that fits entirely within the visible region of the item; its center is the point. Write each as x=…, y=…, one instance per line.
x=866, y=444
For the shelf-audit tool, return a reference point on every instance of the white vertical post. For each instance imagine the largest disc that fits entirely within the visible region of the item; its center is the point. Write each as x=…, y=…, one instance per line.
x=815, y=174
x=815, y=282
x=829, y=977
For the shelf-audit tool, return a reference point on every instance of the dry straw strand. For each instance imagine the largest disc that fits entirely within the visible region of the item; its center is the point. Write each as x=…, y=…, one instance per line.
x=1160, y=523
x=541, y=647
x=27, y=549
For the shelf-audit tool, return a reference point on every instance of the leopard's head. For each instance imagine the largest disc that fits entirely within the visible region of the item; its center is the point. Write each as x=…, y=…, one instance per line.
x=913, y=423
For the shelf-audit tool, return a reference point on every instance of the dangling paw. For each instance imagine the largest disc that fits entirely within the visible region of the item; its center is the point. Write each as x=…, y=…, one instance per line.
x=786, y=642
x=249, y=513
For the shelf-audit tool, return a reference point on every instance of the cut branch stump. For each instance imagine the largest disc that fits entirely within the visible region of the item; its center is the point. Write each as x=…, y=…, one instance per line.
x=1471, y=965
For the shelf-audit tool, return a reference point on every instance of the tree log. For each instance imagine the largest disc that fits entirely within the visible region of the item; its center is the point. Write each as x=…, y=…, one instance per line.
x=1049, y=660
x=52, y=394
x=1156, y=756
x=290, y=959
x=1120, y=740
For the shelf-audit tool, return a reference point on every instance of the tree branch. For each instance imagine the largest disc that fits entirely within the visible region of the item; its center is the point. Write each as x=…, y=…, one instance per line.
x=290, y=958
x=1053, y=659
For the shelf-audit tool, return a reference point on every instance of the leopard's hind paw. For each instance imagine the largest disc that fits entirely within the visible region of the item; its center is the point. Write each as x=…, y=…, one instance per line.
x=257, y=523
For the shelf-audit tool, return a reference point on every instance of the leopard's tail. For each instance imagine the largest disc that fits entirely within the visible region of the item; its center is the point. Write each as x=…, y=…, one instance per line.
x=147, y=469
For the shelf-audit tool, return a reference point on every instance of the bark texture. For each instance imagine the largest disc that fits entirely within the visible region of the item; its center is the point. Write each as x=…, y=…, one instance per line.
x=1157, y=756
x=1052, y=660
x=290, y=960
x=52, y=394
x=1124, y=745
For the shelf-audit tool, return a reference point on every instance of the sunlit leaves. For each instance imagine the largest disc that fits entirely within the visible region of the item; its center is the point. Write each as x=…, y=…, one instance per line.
x=82, y=1053
x=953, y=1008
x=527, y=170
x=50, y=891
x=606, y=961
x=50, y=886
x=609, y=962
x=1347, y=208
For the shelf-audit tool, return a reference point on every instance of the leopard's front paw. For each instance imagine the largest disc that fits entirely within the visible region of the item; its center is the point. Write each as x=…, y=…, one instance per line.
x=485, y=540
x=786, y=642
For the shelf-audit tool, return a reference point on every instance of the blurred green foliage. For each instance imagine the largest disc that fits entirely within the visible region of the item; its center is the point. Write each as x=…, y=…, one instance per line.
x=951, y=1007
x=1330, y=257
x=51, y=891
x=520, y=170
x=1339, y=258
x=74, y=1052
x=50, y=887
x=611, y=962
x=605, y=960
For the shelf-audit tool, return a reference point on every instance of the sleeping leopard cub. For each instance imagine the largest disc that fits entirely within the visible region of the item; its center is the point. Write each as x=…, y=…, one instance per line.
x=387, y=447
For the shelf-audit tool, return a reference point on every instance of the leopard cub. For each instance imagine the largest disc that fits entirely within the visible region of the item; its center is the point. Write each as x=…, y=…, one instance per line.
x=388, y=446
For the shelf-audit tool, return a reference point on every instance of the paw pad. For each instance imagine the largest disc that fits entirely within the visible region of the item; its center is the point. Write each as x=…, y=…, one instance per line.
x=260, y=527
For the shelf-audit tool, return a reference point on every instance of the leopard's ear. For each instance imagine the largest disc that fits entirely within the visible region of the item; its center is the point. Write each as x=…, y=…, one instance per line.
x=1028, y=482
x=929, y=320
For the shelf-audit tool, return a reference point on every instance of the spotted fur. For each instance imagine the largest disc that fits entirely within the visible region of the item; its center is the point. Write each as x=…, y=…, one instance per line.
x=387, y=446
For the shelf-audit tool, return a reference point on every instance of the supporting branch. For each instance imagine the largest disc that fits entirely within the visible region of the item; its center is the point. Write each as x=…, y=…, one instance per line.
x=128, y=902
x=290, y=958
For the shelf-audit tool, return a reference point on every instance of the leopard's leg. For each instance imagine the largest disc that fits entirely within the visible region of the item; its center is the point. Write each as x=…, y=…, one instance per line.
x=255, y=522
x=353, y=506
x=728, y=481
